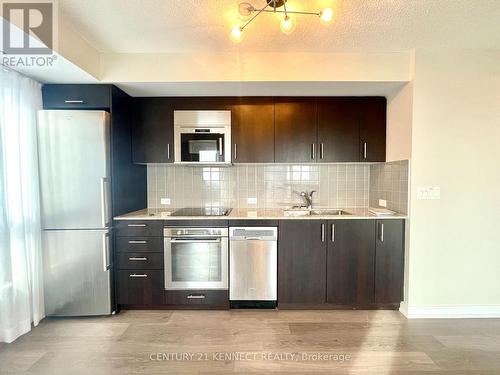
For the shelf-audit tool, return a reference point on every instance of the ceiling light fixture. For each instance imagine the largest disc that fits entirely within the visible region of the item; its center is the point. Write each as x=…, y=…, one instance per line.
x=248, y=13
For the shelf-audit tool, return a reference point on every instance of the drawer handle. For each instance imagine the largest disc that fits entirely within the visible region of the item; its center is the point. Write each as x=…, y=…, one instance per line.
x=137, y=241
x=73, y=101
x=142, y=259
x=143, y=275
x=196, y=296
x=136, y=225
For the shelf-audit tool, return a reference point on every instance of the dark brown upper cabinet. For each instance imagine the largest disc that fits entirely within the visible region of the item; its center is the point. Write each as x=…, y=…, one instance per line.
x=295, y=130
x=389, y=261
x=372, y=129
x=351, y=262
x=302, y=263
x=153, y=137
x=77, y=96
x=252, y=131
x=338, y=129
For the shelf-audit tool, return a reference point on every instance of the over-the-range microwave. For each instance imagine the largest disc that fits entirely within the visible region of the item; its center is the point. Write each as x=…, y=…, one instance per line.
x=202, y=137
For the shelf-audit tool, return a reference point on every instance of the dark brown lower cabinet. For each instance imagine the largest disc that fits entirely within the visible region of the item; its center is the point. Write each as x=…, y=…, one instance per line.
x=301, y=262
x=351, y=262
x=197, y=299
x=140, y=287
x=389, y=261
x=340, y=263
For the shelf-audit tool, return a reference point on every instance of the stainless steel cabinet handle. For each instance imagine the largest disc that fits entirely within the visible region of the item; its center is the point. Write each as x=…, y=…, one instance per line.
x=313, y=151
x=194, y=241
x=168, y=151
x=321, y=150
x=322, y=232
x=138, y=276
x=136, y=225
x=235, y=152
x=196, y=296
x=364, y=149
x=137, y=241
x=333, y=232
x=220, y=146
x=381, y=232
x=253, y=238
x=142, y=259
x=73, y=101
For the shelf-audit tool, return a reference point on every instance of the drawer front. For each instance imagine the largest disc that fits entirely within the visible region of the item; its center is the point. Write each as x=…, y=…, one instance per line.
x=135, y=244
x=139, y=261
x=136, y=228
x=140, y=287
x=198, y=298
x=76, y=96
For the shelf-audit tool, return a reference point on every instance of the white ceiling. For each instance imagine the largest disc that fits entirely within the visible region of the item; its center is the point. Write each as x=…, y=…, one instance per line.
x=180, y=26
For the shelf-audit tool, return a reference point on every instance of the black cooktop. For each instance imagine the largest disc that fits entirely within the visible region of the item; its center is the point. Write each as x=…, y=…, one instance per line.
x=202, y=211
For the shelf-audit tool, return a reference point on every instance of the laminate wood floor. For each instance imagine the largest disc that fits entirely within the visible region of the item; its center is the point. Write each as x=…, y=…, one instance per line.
x=256, y=341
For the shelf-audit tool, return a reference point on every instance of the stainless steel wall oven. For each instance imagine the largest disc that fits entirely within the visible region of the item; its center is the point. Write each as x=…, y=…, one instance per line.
x=196, y=258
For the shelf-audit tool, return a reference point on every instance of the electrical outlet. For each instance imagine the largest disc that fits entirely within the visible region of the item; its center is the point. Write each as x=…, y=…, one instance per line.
x=428, y=192
x=382, y=203
x=165, y=201
x=252, y=200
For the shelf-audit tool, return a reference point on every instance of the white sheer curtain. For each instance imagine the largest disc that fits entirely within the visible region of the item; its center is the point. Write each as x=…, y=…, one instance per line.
x=21, y=280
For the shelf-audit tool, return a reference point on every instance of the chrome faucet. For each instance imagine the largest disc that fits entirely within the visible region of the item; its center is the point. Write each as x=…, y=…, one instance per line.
x=308, y=198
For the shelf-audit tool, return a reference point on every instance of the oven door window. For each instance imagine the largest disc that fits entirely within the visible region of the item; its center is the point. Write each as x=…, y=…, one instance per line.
x=197, y=264
x=202, y=147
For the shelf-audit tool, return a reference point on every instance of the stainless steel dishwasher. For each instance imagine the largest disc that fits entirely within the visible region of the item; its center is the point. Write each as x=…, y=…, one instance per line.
x=253, y=266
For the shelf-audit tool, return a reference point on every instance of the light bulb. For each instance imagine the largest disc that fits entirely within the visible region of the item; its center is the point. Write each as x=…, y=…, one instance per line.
x=287, y=25
x=326, y=16
x=236, y=34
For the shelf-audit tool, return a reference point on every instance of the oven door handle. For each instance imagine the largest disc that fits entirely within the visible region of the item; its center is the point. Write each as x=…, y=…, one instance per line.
x=173, y=240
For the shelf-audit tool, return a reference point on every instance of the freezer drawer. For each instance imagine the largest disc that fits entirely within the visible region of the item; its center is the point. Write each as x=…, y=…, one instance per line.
x=253, y=262
x=76, y=270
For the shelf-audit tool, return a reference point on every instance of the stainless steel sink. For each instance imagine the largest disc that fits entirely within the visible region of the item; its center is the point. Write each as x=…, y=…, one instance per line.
x=329, y=212
x=316, y=212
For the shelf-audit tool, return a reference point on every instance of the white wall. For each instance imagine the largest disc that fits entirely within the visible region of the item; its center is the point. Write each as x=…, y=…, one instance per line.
x=454, y=255
x=399, y=123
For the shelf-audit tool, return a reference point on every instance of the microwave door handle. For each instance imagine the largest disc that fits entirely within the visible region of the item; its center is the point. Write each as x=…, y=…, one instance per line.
x=220, y=146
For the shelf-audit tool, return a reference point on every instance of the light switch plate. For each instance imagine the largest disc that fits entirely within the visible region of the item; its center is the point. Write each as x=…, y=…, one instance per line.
x=252, y=200
x=165, y=201
x=382, y=203
x=429, y=192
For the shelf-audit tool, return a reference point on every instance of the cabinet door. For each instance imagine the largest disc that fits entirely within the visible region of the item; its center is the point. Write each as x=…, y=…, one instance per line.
x=295, y=131
x=338, y=129
x=389, y=261
x=153, y=131
x=76, y=96
x=372, y=128
x=302, y=262
x=253, y=131
x=351, y=262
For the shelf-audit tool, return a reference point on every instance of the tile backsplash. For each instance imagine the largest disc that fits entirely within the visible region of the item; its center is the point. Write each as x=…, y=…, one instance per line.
x=273, y=186
x=389, y=181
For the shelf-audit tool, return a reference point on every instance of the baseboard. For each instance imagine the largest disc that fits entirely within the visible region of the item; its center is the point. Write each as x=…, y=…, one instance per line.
x=451, y=311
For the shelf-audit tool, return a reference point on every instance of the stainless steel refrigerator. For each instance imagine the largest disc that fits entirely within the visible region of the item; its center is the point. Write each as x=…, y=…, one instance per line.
x=74, y=168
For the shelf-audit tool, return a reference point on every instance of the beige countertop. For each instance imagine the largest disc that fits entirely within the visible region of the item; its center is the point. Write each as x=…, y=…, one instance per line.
x=262, y=214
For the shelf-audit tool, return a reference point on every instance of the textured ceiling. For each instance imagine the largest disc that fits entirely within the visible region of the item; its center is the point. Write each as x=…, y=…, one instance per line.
x=177, y=26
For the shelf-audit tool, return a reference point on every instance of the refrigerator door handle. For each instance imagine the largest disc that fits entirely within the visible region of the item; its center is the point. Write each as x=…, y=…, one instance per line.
x=104, y=202
x=105, y=251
